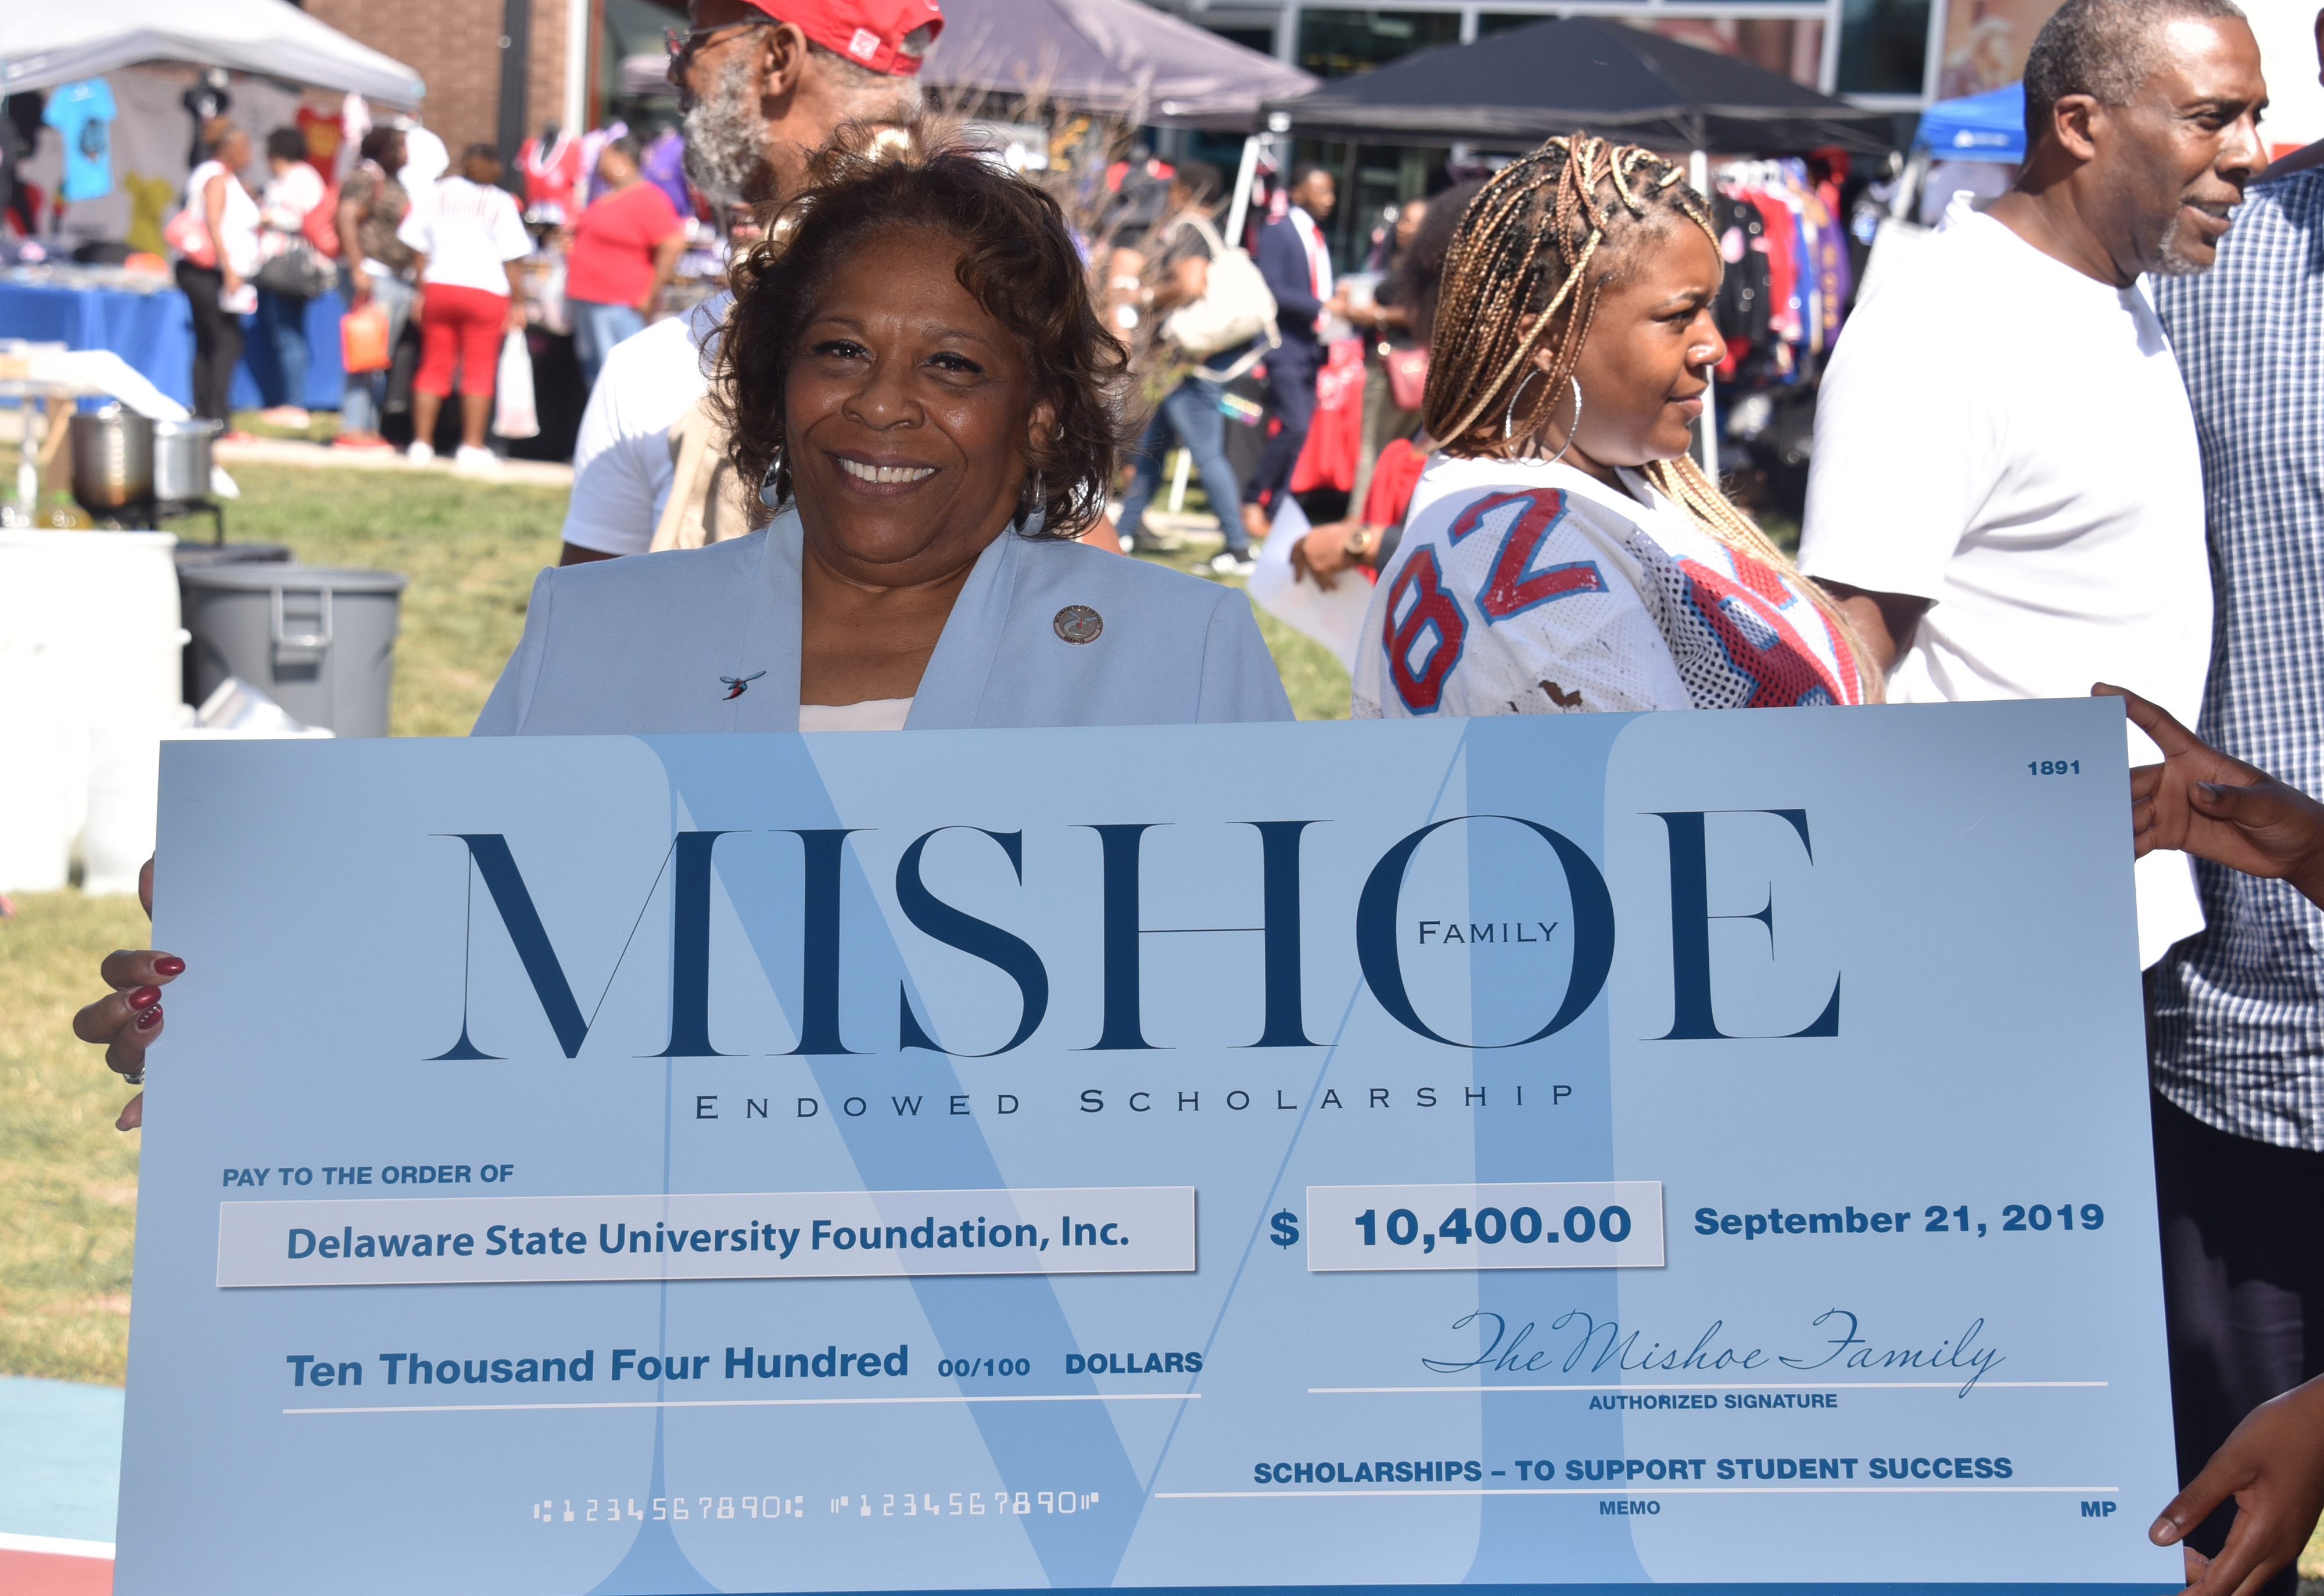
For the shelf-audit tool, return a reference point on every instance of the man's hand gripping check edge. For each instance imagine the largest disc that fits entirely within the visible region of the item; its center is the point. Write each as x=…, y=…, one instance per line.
x=2219, y=808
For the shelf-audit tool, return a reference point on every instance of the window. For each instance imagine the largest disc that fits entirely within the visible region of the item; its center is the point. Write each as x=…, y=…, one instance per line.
x=1884, y=46
x=1341, y=44
x=1262, y=40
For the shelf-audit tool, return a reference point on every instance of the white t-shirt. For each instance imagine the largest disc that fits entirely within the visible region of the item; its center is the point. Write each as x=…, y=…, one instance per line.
x=621, y=466
x=2010, y=439
x=467, y=231
x=290, y=194
x=1526, y=587
x=238, y=240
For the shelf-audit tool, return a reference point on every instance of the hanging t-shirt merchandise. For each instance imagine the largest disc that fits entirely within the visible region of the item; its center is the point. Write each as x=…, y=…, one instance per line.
x=82, y=114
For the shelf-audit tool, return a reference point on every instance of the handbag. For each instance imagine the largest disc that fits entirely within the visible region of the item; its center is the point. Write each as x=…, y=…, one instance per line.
x=320, y=225
x=186, y=234
x=363, y=339
x=298, y=272
x=1236, y=307
x=514, y=414
x=1407, y=377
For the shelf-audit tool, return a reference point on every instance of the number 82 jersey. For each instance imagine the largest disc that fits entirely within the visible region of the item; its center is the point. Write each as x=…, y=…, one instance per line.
x=1523, y=587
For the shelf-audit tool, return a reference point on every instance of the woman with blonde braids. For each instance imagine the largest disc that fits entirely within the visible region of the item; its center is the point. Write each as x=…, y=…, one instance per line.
x=1562, y=551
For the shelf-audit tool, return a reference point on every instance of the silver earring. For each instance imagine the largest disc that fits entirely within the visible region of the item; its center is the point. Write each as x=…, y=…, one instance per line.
x=1032, y=502
x=1570, y=431
x=1508, y=416
x=769, y=493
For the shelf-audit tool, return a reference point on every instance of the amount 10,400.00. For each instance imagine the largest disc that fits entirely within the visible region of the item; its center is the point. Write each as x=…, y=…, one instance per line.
x=891, y=1504
x=1491, y=1226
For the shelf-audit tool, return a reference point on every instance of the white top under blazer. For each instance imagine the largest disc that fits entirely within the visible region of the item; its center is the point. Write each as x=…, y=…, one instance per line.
x=708, y=639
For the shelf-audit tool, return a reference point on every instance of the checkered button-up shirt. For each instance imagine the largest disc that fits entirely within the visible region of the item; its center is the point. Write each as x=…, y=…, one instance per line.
x=2238, y=1031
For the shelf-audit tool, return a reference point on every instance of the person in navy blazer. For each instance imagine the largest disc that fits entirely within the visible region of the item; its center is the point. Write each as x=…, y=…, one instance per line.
x=1296, y=262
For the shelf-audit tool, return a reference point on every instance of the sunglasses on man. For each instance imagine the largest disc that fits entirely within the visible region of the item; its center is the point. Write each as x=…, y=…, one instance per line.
x=682, y=47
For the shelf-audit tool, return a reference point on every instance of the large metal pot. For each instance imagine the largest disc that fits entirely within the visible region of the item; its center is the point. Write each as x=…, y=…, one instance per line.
x=181, y=459
x=111, y=459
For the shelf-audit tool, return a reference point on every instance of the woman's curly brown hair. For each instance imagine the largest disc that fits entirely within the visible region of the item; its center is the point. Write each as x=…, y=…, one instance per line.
x=1017, y=259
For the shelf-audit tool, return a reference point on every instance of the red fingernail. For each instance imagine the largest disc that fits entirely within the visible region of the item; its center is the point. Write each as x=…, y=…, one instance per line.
x=149, y=1019
x=145, y=997
x=170, y=965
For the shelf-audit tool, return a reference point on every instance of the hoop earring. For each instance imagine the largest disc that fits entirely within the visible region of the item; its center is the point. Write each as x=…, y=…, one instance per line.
x=1508, y=416
x=770, y=493
x=1570, y=431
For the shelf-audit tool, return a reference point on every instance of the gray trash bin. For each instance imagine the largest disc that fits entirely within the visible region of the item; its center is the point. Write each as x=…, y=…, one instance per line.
x=322, y=643
x=190, y=556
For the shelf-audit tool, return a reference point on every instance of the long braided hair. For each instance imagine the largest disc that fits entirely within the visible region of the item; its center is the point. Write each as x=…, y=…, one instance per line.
x=1534, y=253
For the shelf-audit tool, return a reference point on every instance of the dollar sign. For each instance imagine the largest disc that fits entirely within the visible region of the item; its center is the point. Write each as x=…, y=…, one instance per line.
x=1286, y=1229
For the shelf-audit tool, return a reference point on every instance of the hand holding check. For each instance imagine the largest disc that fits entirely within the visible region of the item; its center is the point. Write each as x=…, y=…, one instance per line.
x=2220, y=808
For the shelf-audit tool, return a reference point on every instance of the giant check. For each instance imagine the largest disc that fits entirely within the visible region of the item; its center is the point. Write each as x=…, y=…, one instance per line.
x=1686, y=1148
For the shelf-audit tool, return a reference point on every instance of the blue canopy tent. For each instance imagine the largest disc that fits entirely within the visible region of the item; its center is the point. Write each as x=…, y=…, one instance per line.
x=1988, y=127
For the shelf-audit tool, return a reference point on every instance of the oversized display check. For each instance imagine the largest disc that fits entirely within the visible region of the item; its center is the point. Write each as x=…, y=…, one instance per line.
x=1593, y=1151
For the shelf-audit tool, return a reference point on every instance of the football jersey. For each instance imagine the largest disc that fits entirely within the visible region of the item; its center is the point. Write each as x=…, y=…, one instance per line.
x=1523, y=587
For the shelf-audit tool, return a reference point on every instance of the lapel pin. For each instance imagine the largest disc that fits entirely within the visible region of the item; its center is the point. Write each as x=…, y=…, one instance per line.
x=736, y=685
x=1079, y=623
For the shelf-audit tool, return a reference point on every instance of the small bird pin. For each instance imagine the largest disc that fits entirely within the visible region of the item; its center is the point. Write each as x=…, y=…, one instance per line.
x=736, y=685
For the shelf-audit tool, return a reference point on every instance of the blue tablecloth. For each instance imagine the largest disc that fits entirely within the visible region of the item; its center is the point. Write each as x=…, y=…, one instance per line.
x=154, y=333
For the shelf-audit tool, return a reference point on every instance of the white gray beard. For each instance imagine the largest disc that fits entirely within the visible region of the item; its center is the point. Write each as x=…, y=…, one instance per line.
x=723, y=159
x=2170, y=255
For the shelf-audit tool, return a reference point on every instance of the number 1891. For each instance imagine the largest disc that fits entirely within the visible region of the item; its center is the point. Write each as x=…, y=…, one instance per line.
x=2054, y=766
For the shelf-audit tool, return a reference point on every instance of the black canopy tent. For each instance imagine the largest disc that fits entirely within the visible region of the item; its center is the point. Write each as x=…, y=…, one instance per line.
x=1587, y=73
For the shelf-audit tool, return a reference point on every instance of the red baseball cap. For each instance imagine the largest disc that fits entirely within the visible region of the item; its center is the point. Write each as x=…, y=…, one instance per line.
x=869, y=33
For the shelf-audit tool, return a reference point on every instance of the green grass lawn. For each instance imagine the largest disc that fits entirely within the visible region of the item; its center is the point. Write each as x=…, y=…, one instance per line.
x=68, y=1179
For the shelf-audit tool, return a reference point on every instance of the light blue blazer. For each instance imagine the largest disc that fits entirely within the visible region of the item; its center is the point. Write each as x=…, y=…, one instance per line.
x=653, y=643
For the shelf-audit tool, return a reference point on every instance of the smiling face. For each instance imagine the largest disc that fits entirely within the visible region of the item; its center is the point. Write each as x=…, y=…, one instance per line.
x=2184, y=146
x=1648, y=354
x=907, y=411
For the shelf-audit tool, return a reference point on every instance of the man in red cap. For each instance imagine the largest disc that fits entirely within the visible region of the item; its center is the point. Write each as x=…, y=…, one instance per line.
x=762, y=84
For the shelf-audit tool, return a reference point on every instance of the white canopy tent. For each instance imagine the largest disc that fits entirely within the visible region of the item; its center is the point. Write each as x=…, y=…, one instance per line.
x=44, y=45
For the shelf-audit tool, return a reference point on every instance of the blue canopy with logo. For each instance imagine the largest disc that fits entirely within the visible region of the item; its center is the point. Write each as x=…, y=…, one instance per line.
x=1988, y=127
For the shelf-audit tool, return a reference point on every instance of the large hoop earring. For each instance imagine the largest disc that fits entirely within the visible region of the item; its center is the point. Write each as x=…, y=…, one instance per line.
x=770, y=489
x=1570, y=431
x=1508, y=416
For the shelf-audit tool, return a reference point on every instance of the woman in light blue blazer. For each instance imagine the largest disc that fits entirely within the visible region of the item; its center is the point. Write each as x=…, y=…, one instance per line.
x=918, y=374
x=920, y=378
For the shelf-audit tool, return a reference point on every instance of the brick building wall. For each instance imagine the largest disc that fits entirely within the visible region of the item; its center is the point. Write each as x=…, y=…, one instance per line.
x=455, y=47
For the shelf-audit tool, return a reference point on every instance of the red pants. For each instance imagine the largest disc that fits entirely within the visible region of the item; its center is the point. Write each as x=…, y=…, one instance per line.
x=461, y=324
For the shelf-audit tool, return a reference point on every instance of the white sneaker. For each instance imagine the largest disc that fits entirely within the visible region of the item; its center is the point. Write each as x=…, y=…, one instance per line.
x=420, y=452
x=473, y=459
x=1223, y=564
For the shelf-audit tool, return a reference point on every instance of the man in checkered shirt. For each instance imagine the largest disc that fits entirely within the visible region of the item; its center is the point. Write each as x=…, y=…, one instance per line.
x=2237, y=1023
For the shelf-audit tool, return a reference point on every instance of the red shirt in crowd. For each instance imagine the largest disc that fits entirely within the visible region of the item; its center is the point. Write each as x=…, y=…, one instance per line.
x=612, y=261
